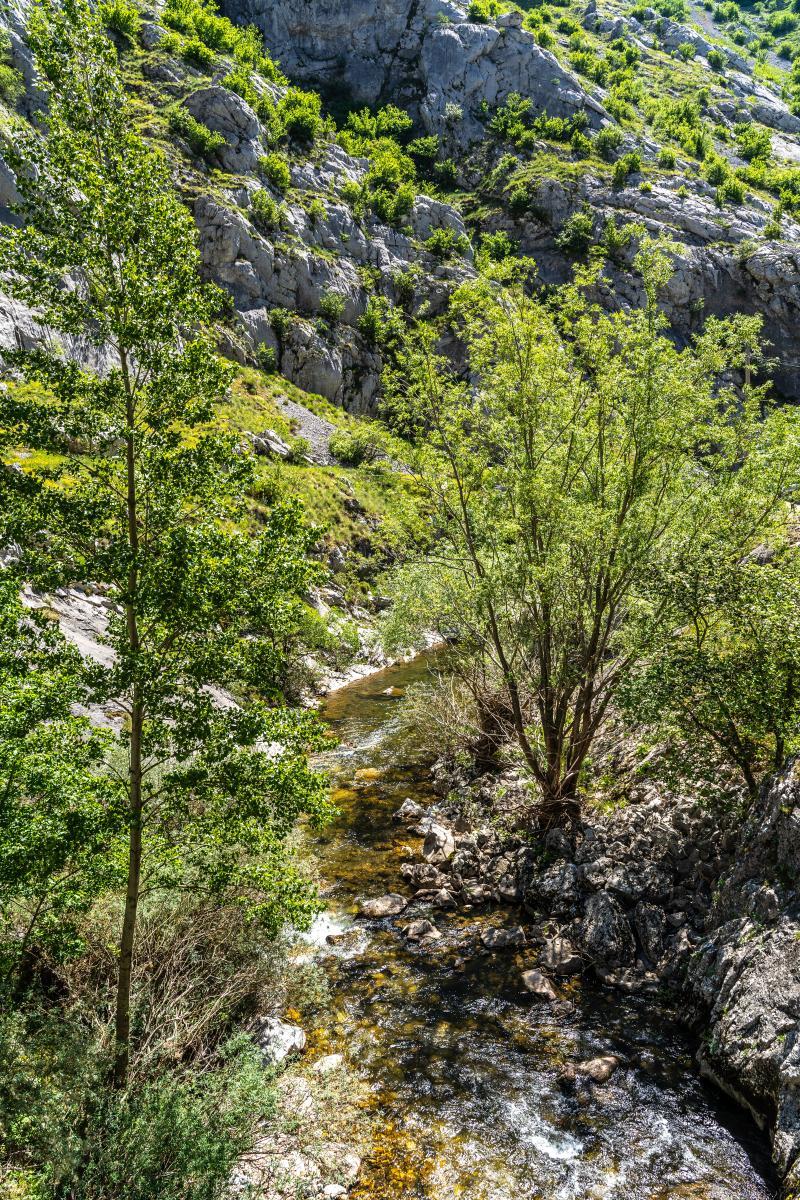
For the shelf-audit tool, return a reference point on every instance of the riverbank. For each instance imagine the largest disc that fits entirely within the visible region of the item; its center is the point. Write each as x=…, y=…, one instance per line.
x=475, y=1086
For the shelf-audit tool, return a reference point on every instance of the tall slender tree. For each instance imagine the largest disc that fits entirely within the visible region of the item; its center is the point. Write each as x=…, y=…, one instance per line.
x=145, y=494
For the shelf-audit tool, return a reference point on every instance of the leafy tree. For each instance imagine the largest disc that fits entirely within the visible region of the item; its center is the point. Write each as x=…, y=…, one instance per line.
x=728, y=685
x=146, y=494
x=589, y=457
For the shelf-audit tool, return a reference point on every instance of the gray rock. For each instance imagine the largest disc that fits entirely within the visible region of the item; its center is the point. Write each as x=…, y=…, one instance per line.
x=384, y=906
x=226, y=113
x=409, y=812
x=600, y=1069
x=561, y=958
x=277, y=1039
x=439, y=844
x=605, y=932
x=538, y=985
x=502, y=939
x=650, y=923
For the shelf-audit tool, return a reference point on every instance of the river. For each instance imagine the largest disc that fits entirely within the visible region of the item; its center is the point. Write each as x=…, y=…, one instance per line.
x=463, y=1066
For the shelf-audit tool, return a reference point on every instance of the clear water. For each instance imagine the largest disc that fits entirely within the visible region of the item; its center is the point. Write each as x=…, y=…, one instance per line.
x=463, y=1067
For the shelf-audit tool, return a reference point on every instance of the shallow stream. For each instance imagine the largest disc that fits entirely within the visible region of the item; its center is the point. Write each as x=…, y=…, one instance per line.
x=462, y=1065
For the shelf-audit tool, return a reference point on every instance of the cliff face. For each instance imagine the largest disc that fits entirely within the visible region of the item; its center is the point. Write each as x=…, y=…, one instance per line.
x=452, y=74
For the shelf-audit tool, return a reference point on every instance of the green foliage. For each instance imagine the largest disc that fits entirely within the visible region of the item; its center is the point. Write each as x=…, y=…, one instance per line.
x=60, y=823
x=717, y=60
x=425, y=149
x=152, y=506
x=201, y=140
x=616, y=239
x=199, y=19
x=716, y=169
x=121, y=17
x=577, y=234
x=267, y=213
x=267, y=359
x=447, y=243
x=355, y=447
x=12, y=84
x=516, y=122
x=725, y=686
x=629, y=164
x=686, y=51
x=331, y=307
x=300, y=114
x=496, y=247
x=390, y=121
x=585, y=457
x=389, y=186
x=275, y=170
x=483, y=11
x=380, y=323
x=753, y=141
x=607, y=140
x=667, y=158
x=730, y=191
x=782, y=21
x=198, y=54
x=681, y=119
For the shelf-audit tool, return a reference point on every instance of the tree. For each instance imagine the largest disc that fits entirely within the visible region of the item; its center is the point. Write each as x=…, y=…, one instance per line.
x=146, y=494
x=726, y=688
x=566, y=482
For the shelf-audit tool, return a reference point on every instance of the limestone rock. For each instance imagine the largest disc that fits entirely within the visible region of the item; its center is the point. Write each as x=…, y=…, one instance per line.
x=384, y=906
x=605, y=932
x=277, y=1039
x=538, y=985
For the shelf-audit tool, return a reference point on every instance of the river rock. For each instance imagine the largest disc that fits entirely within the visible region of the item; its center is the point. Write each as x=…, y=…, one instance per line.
x=502, y=939
x=442, y=899
x=439, y=844
x=328, y=1064
x=277, y=1039
x=605, y=932
x=561, y=957
x=384, y=906
x=599, y=1070
x=650, y=923
x=422, y=931
x=409, y=812
x=538, y=985
x=424, y=875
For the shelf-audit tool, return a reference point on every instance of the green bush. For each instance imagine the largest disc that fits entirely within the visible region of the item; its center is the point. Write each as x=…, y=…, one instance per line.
x=577, y=234
x=446, y=243
x=782, y=21
x=496, y=247
x=301, y=115
x=667, y=158
x=686, y=51
x=425, y=149
x=607, y=140
x=275, y=170
x=201, y=140
x=354, y=447
x=266, y=211
x=730, y=191
x=331, y=306
x=753, y=141
x=629, y=164
x=716, y=60
x=716, y=169
x=267, y=359
x=446, y=173
x=199, y=19
x=281, y=319
x=121, y=17
x=482, y=11
x=352, y=193
x=12, y=85
x=198, y=54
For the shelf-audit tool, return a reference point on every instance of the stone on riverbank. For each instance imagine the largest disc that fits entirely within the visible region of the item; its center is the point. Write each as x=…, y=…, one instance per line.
x=384, y=906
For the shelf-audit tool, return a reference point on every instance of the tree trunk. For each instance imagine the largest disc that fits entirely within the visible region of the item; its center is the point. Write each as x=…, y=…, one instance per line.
x=122, y=1030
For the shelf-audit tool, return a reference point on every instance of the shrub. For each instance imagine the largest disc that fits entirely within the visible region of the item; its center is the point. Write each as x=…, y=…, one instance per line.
x=275, y=170
x=280, y=319
x=267, y=213
x=752, y=140
x=316, y=210
x=716, y=60
x=198, y=54
x=666, y=158
x=331, y=306
x=781, y=22
x=12, y=85
x=481, y=11
x=353, y=447
x=267, y=359
x=496, y=247
x=121, y=17
x=446, y=173
x=608, y=139
x=201, y=140
x=716, y=169
x=301, y=115
x=731, y=191
x=545, y=38
x=577, y=234
x=425, y=149
x=446, y=243
x=405, y=285
x=686, y=51
x=629, y=164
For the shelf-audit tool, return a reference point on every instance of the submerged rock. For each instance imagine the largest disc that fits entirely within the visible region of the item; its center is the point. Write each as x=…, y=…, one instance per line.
x=502, y=939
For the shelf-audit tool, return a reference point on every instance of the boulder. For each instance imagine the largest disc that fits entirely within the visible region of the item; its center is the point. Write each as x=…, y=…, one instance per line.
x=224, y=112
x=650, y=923
x=439, y=844
x=502, y=939
x=409, y=812
x=599, y=1070
x=605, y=932
x=538, y=985
x=561, y=957
x=422, y=931
x=277, y=1039
x=384, y=906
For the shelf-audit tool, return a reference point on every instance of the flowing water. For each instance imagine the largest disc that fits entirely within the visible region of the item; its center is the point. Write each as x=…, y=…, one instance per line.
x=461, y=1065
